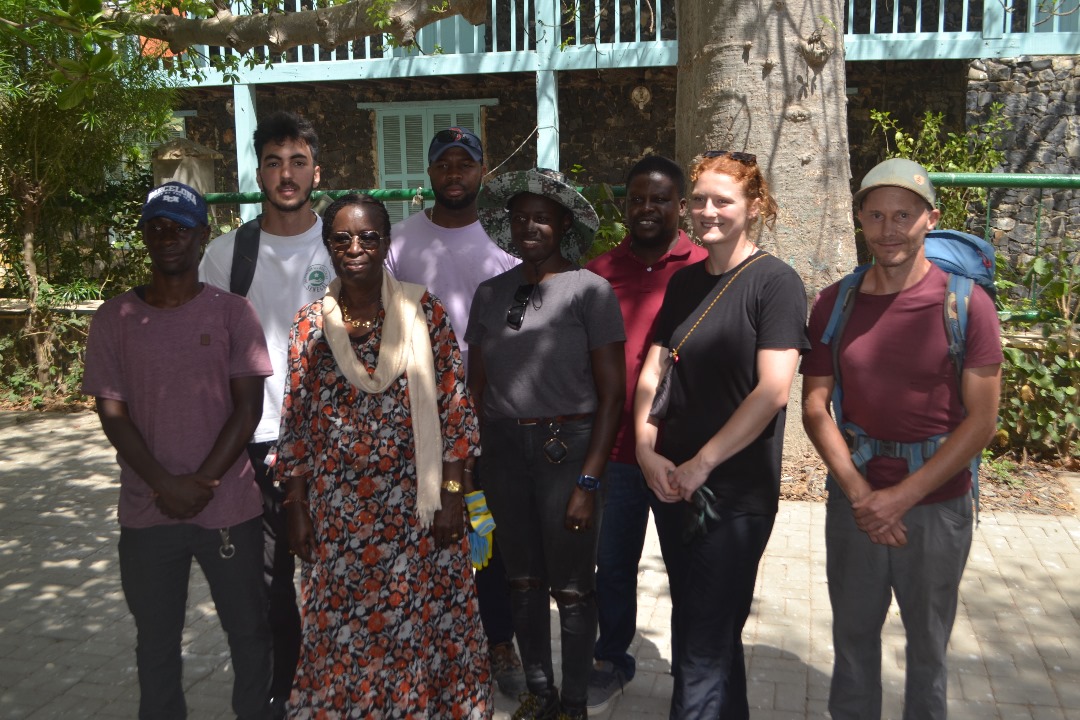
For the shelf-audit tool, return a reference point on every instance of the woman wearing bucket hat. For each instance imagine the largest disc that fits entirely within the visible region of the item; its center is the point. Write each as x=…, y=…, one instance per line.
x=547, y=373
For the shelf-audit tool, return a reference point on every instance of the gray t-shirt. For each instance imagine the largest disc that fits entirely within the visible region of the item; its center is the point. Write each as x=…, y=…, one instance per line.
x=544, y=368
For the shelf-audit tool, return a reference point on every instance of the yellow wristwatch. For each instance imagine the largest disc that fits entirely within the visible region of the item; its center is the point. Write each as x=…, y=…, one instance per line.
x=452, y=486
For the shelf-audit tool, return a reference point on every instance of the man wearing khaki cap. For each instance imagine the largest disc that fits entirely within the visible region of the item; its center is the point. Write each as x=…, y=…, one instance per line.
x=899, y=517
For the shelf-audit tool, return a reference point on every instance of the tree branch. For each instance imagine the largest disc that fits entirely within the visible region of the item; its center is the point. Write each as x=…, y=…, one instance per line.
x=327, y=27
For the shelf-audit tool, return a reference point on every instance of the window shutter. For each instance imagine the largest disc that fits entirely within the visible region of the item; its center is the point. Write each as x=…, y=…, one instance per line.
x=404, y=135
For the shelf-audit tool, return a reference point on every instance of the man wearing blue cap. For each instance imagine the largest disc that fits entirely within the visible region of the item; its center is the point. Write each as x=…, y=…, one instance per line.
x=446, y=250
x=176, y=368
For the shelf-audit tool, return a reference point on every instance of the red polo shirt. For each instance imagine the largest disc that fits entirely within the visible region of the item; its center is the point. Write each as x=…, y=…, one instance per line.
x=640, y=289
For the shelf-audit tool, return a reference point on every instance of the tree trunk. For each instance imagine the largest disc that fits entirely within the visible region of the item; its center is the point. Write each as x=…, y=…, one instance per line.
x=767, y=77
x=37, y=326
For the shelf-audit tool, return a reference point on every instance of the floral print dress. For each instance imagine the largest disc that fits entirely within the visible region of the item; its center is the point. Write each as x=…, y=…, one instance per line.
x=391, y=625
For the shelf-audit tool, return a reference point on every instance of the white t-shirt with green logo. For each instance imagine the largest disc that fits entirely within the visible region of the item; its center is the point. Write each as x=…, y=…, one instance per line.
x=292, y=271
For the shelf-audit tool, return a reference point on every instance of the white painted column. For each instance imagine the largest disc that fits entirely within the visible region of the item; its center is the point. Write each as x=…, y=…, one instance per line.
x=244, y=122
x=547, y=84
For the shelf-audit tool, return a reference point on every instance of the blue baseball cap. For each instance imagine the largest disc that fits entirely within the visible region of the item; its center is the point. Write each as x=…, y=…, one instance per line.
x=176, y=201
x=455, y=137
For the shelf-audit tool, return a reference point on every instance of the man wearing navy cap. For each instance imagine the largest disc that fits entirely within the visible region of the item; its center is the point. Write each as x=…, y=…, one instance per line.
x=176, y=368
x=445, y=249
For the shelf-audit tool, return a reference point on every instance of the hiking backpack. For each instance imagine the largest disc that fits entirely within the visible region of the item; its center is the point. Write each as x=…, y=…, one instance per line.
x=968, y=260
x=245, y=256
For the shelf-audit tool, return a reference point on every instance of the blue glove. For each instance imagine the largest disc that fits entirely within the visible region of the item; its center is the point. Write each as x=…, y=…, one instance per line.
x=483, y=525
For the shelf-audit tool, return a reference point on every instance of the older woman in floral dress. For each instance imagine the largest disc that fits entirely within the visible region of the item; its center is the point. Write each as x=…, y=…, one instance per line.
x=375, y=427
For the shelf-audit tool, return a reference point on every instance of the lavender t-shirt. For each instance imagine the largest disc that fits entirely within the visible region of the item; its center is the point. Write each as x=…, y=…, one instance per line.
x=172, y=367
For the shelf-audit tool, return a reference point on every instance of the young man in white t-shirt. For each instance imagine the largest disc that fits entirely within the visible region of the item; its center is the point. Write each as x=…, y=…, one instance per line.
x=292, y=268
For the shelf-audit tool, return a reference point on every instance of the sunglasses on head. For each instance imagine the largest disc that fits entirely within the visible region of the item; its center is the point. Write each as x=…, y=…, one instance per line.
x=457, y=135
x=516, y=314
x=742, y=157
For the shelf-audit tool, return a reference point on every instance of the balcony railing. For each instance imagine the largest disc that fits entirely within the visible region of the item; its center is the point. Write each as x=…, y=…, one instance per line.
x=958, y=29
x=642, y=33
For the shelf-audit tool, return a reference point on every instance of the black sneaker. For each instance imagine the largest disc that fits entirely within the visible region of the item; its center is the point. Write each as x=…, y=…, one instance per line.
x=538, y=707
x=605, y=682
x=506, y=669
x=573, y=713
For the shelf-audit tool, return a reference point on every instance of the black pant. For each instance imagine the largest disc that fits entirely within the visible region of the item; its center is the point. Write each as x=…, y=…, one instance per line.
x=528, y=496
x=278, y=569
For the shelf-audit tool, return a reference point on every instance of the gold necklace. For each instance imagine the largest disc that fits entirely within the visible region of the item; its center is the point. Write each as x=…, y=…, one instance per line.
x=364, y=324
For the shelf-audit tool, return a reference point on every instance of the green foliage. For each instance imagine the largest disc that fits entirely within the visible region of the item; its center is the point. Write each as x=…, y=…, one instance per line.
x=976, y=150
x=77, y=102
x=1002, y=469
x=1040, y=402
x=379, y=13
x=601, y=196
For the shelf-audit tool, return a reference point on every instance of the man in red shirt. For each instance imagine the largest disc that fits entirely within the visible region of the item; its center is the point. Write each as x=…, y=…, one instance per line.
x=891, y=527
x=638, y=270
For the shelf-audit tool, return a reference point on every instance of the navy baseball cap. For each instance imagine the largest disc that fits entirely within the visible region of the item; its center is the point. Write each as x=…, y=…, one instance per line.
x=455, y=137
x=176, y=201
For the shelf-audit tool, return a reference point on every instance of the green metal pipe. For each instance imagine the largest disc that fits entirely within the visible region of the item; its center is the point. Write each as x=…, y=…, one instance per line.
x=1004, y=180
x=987, y=180
x=257, y=197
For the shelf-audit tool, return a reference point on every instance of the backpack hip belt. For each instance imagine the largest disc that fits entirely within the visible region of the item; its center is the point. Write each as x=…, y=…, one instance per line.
x=863, y=448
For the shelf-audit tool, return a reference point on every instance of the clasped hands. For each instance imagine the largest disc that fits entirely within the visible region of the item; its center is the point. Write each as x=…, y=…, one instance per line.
x=880, y=514
x=671, y=482
x=182, y=497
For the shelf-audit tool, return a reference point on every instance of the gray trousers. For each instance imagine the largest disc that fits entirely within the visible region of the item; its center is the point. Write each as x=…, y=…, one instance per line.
x=925, y=575
x=155, y=564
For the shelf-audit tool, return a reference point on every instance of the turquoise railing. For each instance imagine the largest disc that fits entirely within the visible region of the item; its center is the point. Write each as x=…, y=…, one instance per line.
x=593, y=34
x=986, y=180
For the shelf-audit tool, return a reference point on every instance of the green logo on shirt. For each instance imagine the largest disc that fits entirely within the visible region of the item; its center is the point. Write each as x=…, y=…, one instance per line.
x=317, y=278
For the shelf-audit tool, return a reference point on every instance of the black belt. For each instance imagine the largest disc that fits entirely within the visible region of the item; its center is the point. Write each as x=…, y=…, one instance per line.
x=558, y=419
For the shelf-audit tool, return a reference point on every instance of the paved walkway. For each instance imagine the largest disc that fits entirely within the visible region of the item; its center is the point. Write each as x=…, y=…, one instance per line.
x=67, y=641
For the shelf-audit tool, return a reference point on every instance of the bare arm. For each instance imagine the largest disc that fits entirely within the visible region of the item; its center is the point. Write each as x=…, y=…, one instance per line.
x=609, y=377
x=822, y=430
x=658, y=470
x=247, y=399
x=185, y=496
x=831, y=446
x=477, y=380
x=775, y=369
x=981, y=390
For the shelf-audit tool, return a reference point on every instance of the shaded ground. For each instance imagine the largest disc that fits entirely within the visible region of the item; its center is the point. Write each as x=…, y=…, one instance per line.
x=1031, y=487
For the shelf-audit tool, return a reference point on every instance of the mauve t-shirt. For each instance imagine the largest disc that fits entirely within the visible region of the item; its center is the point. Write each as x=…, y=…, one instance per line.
x=172, y=367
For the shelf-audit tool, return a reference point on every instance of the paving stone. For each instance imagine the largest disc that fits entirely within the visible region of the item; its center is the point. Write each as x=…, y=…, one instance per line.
x=67, y=640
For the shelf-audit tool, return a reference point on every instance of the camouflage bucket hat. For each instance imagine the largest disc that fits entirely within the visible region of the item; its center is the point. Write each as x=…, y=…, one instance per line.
x=497, y=193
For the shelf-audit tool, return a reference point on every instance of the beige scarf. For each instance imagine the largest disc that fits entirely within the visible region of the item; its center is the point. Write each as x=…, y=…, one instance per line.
x=406, y=348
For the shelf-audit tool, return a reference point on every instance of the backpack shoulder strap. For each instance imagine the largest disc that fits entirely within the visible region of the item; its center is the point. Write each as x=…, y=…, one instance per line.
x=834, y=329
x=957, y=299
x=245, y=256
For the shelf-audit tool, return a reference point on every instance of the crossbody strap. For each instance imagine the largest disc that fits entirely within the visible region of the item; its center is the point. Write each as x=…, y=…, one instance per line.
x=675, y=350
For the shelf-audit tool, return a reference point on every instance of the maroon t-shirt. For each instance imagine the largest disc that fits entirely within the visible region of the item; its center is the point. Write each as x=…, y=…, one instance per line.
x=172, y=367
x=899, y=381
x=640, y=289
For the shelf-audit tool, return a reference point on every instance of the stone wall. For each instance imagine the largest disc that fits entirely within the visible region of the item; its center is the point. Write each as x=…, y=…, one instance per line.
x=1042, y=100
x=604, y=140
x=902, y=89
x=612, y=118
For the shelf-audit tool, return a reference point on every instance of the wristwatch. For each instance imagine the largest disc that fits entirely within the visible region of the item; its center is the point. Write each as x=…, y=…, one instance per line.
x=588, y=483
x=452, y=486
